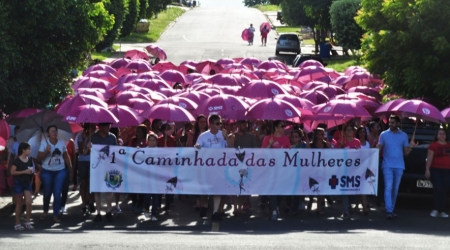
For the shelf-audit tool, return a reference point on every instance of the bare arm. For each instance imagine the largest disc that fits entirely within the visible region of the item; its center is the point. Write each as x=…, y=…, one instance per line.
x=430, y=156
x=67, y=161
x=41, y=155
x=15, y=172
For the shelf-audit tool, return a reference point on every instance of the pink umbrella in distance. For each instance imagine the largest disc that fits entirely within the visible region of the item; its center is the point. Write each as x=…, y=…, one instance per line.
x=91, y=82
x=245, y=34
x=252, y=61
x=102, y=74
x=303, y=105
x=156, y=51
x=153, y=84
x=126, y=115
x=367, y=91
x=74, y=102
x=97, y=92
x=162, y=66
x=208, y=66
x=17, y=117
x=119, y=63
x=386, y=108
x=187, y=65
x=316, y=97
x=139, y=66
x=273, y=109
x=170, y=112
x=310, y=73
x=224, y=80
x=100, y=66
x=195, y=96
x=420, y=110
x=134, y=54
x=225, y=61
x=310, y=63
x=342, y=108
x=180, y=101
x=140, y=105
x=446, y=114
x=261, y=89
x=173, y=76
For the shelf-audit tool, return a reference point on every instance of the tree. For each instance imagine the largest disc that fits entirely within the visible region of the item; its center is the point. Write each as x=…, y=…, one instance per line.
x=156, y=6
x=407, y=44
x=118, y=10
x=143, y=6
x=130, y=19
x=39, y=51
x=342, y=16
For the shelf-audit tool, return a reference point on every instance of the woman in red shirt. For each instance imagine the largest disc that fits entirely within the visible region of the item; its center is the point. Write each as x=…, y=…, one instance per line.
x=438, y=170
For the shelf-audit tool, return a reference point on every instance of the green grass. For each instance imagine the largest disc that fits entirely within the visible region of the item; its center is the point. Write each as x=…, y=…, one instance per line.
x=269, y=7
x=157, y=26
x=341, y=63
x=103, y=55
x=287, y=29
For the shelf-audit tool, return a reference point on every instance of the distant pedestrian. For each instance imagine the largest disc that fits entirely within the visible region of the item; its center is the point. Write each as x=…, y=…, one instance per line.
x=251, y=34
x=438, y=170
x=265, y=30
x=394, y=146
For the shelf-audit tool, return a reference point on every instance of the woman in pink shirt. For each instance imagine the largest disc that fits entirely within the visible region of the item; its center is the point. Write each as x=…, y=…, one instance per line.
x=277, y=139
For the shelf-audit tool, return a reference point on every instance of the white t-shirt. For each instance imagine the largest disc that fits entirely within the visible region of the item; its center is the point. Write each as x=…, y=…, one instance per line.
x=209, y=140
x=365, y=146
x=54, y=161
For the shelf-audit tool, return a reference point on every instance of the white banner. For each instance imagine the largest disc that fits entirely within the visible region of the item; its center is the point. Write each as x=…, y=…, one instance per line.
x=232, y=171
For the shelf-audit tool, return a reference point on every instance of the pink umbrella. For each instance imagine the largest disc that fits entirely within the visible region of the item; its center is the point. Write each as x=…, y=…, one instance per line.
x=261, y=89
x=361, y=79
x=119, y=63
x=368, y=91
x=71, y=103
x=105, y=75
x=170, y=112
x=194, y=78
x=367, y=102
x=316, y=97
x=245, y=72
x=330, y=90
x=268, y=65
x=297, y=102
x=313, y=84
x=121, y=96
x=340, y=80
x=140, y=105
x=88, y=82
x=91, y=114
x=180, y=101
x=156, y=51
x=123, y=71
x=273, y=109
x=100, y=66
x=154, y=84
x=245, y=34
x=343, y=108
x=233, y=66
x=127, y=116
x=386, y=108
x=224, y=80
x=17, y=117
x=97, y=92
x=139, y=66
x=275, y=72
x=225, y=61
x=310, y=73
x=5, y=131
x=162, y=66
x=195, y=96
x=173, y=76
x=446, y=114
x=310, y=63
x=136, y=54
x=228, y=107
x=2, y=147
x=187, y=65
x=265, y=25
x=208, y=66
x=211, y=91
x=127, y=78
x=252, y=61
x=229, y=90
x=333, y=74
x=420, y=110
x=292, y=89
x=151, y=75
x=350, y=69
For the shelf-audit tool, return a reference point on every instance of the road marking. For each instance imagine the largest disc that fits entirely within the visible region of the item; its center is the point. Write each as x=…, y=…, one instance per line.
x=215, y=227
x=184, y=37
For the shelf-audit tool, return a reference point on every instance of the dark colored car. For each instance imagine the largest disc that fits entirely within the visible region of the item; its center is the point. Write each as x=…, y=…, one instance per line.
x=288, y=42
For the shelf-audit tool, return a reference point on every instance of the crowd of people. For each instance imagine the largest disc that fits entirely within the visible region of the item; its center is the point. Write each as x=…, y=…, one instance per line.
x=60, y=164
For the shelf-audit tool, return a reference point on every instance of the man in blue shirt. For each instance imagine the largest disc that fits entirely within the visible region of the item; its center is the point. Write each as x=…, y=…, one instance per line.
x=394, y=145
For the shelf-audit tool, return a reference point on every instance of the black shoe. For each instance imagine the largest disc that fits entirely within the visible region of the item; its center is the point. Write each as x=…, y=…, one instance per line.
x=389, y=216
x=84, y=210
x=92, y=208
x=216, y=216
x=394, y=215
x=109, y=217
x=98, y=218
x=203, y=211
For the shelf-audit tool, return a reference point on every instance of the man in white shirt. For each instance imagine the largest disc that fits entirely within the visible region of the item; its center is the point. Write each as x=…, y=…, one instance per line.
x=212, y=138
x=251, y=31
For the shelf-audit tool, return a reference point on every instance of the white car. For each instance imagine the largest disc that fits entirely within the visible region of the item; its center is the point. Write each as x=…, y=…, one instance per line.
x=288, y=42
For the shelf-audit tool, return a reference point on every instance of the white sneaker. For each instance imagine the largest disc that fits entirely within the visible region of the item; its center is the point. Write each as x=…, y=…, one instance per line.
x=443, y=215
x=154, y=218
x=434, y=213
x=63, y=210
x=147, y=215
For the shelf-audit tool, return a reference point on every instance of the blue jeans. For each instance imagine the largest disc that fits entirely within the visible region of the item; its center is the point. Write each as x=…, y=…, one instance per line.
x=441, y=183
x=155, y=202
x=53, y=182
x=392, y=178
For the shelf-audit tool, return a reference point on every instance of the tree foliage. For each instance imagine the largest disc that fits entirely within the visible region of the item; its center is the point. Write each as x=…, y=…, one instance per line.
x=117, y=9
x=407, y=43
x=342, y=16
x=156, y=6
x=40, y=42
x=143, y=6
x=130, y=18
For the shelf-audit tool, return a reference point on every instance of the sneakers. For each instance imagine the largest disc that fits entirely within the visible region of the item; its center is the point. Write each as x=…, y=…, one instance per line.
x=203, y=211
x=63, y=210
x=92, y=208
x=109, y=217
x=154, y=218
x=116, y=209
x=346, y=216
x=147, y=215
x=84, y=210
x=274, y=216
x=216, y=216
x=98, y=218
x=434, y=213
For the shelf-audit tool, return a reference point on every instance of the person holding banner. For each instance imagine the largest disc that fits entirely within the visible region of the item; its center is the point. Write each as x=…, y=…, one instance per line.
x=213, y=138
x=164, y=141
x=84, y=164
x=318, y=142
x=348, y=141
x=103, y=137
x=365, y=144
x=200, y=126
x=152, y=142
x=138, y=141
x=277, y=139
x=394, y=145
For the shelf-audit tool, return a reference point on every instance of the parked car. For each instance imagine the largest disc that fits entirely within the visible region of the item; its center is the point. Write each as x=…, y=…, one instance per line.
x=303, y=57
x=288, y=42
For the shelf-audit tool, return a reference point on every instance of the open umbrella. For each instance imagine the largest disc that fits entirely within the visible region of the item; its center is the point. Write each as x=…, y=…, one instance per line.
x=420, y=110
x=181, y=101
x=170, y=112
x=91, y=114
x=74, y=102
x=126, y=116
x=139, y=66
x=228, y=107
x=265, y=25
x=261, y=89
x=99, y=66
x=208, y=66
x=119, y=63
x=156, y=51
x=245, y=34
x=274, y=109
x=5, y=131
x=162, y=66
x=342, y=108
x=173, y=76
x=17, y=117
x=136, y=54
x=92, y=82
x=33, y=129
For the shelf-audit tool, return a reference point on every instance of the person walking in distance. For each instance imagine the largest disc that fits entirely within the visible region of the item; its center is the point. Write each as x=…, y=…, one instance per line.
x=265, y=30
x=251, y=34
x=394, y=145
x=212, y=138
